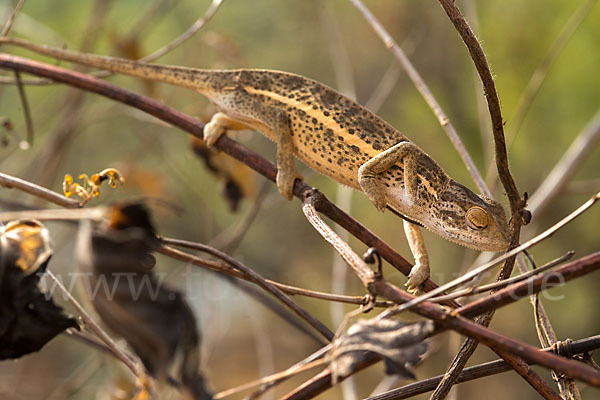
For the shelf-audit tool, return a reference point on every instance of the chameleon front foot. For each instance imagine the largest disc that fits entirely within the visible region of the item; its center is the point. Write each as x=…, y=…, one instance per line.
x=420, y=271
x=369, y=173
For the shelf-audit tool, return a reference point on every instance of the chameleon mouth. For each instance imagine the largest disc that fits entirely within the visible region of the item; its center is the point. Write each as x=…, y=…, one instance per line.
x=453, y=235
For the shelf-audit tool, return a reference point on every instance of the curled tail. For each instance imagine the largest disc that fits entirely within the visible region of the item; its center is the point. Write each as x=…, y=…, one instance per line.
x=203, y=81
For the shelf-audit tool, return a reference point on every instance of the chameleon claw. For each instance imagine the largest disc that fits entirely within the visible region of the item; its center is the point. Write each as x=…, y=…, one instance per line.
x=418, y=274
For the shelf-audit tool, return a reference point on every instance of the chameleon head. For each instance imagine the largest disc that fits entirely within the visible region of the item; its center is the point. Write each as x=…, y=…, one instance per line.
x=472, y=220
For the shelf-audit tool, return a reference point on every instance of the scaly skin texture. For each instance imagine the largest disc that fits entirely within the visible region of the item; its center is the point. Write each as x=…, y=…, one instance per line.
x=335, y=136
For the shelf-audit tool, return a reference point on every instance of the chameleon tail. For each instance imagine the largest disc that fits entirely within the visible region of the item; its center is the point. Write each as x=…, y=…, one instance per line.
x=196, y=79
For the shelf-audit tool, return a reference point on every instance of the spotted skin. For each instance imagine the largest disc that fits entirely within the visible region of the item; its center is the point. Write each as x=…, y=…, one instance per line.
x=332, y=134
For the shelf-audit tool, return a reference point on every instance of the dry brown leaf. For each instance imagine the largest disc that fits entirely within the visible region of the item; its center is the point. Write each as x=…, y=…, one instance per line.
x=402, y=345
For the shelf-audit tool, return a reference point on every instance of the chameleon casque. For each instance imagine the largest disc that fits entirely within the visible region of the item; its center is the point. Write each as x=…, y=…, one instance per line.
x=335, y=136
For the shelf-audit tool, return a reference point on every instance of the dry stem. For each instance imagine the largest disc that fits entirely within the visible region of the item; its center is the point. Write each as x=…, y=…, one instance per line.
x=12, y=182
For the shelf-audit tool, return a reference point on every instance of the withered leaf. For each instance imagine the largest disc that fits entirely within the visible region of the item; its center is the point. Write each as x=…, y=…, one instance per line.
x=28, y=317
x=402, y=345
x=133, y=302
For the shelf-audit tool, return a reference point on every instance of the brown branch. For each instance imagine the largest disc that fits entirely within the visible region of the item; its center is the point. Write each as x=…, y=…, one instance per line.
x=456, y=321
x=492, y=339
x=481, y=64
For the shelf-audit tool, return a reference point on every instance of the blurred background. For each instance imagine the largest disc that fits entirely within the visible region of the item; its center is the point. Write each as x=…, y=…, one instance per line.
x=329, y=41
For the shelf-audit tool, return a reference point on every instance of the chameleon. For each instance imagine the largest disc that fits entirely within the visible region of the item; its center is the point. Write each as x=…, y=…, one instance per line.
x=335, y=136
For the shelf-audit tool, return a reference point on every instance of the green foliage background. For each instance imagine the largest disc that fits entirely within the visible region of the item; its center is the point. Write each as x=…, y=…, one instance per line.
x=243, y=340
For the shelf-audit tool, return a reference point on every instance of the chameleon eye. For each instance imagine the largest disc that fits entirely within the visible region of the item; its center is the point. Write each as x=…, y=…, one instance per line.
x=477, y=218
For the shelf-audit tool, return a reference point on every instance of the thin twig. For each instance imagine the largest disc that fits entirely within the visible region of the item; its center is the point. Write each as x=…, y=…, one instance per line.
x=540, y=73
x=12, y=182
x=92, y=341
x=196, y=26
x=565, y=168
x=94, y=214
x=481, y=64
x=264, y=388
x=422, y=87
x=227, y=241
x=11, y=18
x=254, y=277
x=25, y=144
x=547, y=337
x=503, y=283
x=312, y=361
x=475, y=372
x=127, y=359
x=287, y=289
